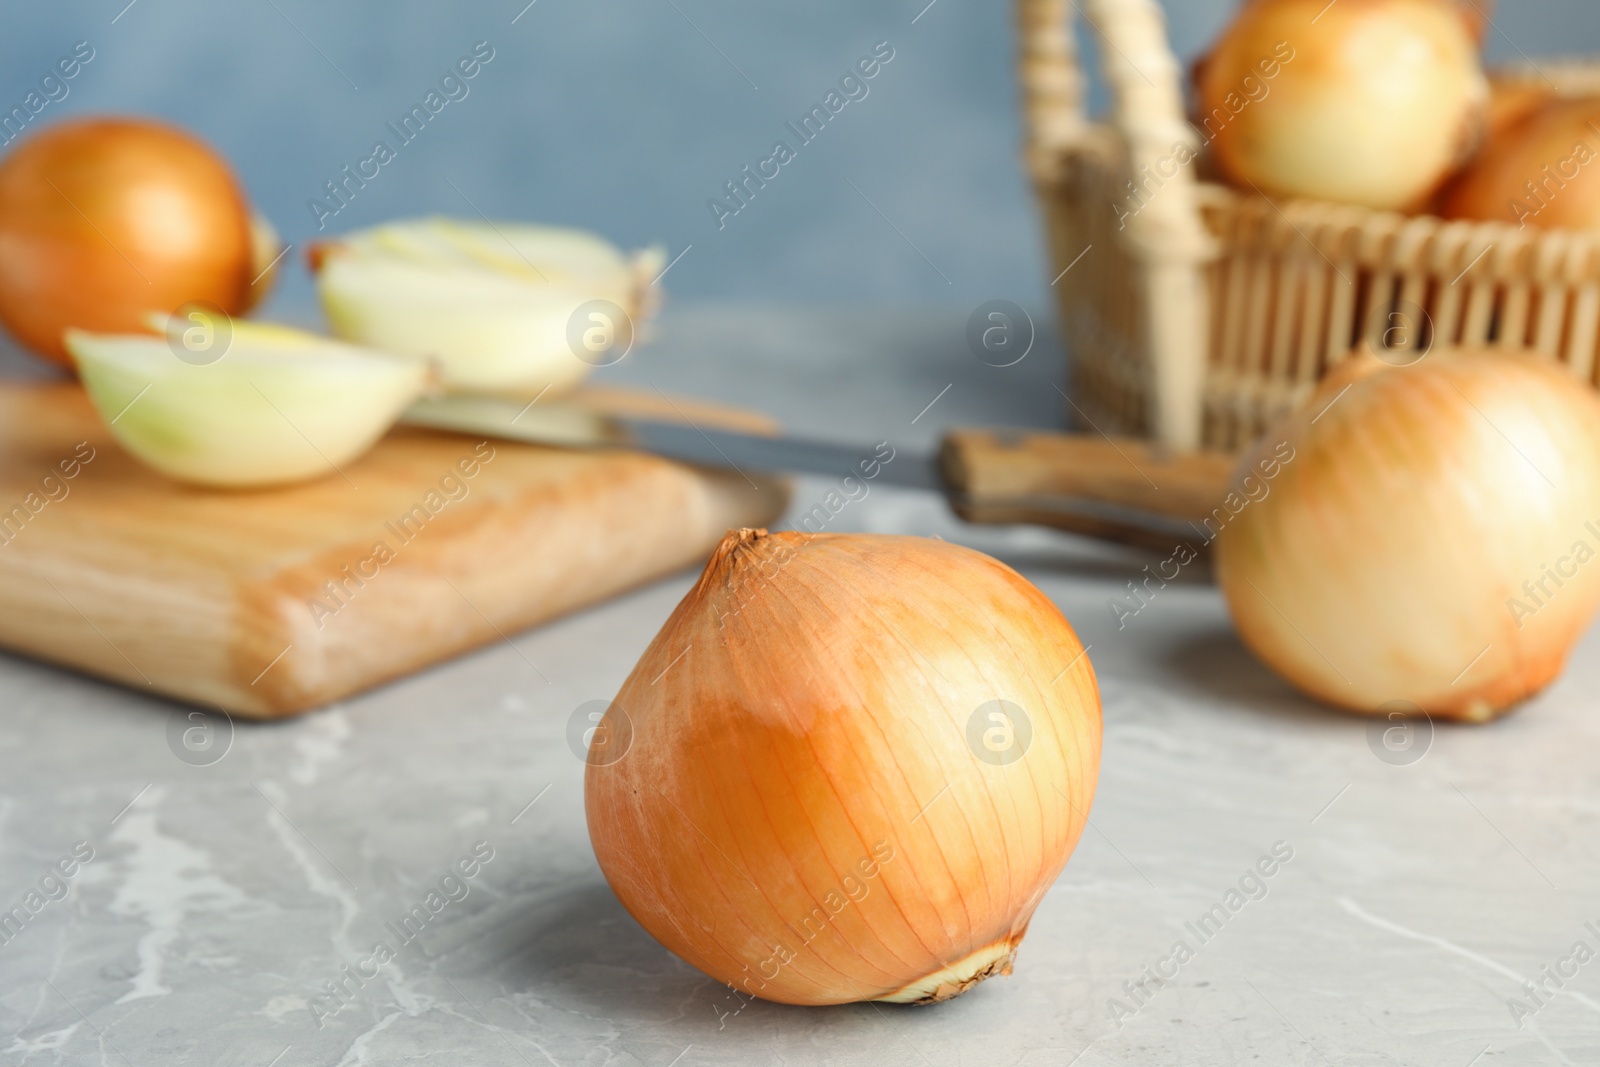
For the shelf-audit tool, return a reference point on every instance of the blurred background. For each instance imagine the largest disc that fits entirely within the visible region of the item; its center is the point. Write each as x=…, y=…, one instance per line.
x=626, y=117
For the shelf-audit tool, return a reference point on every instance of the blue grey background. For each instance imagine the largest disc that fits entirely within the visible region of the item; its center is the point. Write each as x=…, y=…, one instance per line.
x=625, y=116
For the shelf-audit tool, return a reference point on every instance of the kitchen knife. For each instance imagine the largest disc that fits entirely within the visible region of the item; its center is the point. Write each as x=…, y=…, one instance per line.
x=1117, y=489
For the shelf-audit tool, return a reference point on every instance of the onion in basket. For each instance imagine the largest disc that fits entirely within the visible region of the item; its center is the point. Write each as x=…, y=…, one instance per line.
x=847, y=768
x=1511, y=100
x=1541, y=171
x=252, y=405
x=501, y=307
x=1433, y=540
x=1369, y=102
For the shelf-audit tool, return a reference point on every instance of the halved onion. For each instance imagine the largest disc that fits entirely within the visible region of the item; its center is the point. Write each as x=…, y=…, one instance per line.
x=279, y=405
x=494, y=304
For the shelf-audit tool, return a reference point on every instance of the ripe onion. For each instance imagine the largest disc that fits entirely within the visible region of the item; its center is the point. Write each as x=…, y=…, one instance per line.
x=250, y=404
x=1432, y=540
x=1370, y=102
x=266, y=255
x=1510, y=101
x=1541, y=171
x=1478, y=16
x=847, y=768
x=501, y=307
x=103, y=221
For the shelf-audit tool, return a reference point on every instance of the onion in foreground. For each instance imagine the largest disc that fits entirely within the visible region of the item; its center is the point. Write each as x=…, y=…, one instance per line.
x=1431, y=543
x=1370, y=102
x=847, y=768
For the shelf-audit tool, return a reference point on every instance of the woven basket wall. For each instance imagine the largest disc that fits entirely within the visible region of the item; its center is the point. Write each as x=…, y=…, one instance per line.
x=1207, y=313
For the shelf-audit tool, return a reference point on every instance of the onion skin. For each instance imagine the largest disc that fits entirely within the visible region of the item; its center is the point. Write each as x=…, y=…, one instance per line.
x=1511, y=100
x=266, y=255
x=818, y=720
x=103, y=221
x=1380, y=102
x=1561, y=136
x=1387, y=559
x=1477, y=15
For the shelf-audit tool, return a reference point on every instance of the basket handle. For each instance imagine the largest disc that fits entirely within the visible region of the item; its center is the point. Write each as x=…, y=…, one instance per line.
x=1052, y=83
x=1159, y=224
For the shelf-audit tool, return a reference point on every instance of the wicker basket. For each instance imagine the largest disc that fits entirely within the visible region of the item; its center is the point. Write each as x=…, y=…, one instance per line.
x=1207, y=313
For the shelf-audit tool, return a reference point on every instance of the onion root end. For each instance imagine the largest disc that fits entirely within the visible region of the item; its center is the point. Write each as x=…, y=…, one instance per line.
x=956, y=978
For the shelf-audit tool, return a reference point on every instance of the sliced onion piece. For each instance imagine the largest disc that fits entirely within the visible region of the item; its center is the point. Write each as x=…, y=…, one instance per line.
x=278, y=405
x=501, y=307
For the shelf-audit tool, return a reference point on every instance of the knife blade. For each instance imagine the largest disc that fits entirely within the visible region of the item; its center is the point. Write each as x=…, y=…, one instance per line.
x=1104, y=488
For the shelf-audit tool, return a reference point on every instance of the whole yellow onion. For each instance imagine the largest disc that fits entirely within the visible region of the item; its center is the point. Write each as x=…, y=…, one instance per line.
x=847, y=768
x=1539, y=169
x=1427, y=537
x=1370, y=102
x=106, y=220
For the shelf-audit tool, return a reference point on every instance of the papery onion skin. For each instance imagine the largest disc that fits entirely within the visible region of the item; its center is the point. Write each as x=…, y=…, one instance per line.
x=806, y=708
x=1380, y=102
x=103, y=221
x=1387, y=561
x=1511, y=100
x=1556, y=147
x=266, y=256
x=1477, y=16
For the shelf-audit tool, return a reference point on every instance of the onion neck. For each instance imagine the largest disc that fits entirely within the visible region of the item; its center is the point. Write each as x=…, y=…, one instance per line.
x=739, y=550
x=734, y=544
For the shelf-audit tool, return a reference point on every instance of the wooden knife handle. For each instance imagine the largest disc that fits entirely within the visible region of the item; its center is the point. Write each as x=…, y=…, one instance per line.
x=1044, y=478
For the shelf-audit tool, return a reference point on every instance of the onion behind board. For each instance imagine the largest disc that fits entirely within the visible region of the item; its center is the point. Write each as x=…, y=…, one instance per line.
x=103, y=221
x=847, y=768
x=1432, y=543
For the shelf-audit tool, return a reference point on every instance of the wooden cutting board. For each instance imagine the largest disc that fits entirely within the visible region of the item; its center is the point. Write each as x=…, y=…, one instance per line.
x=271, y=602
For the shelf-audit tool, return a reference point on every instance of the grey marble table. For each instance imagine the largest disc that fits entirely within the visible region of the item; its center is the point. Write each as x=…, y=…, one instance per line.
x=1424, y=889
